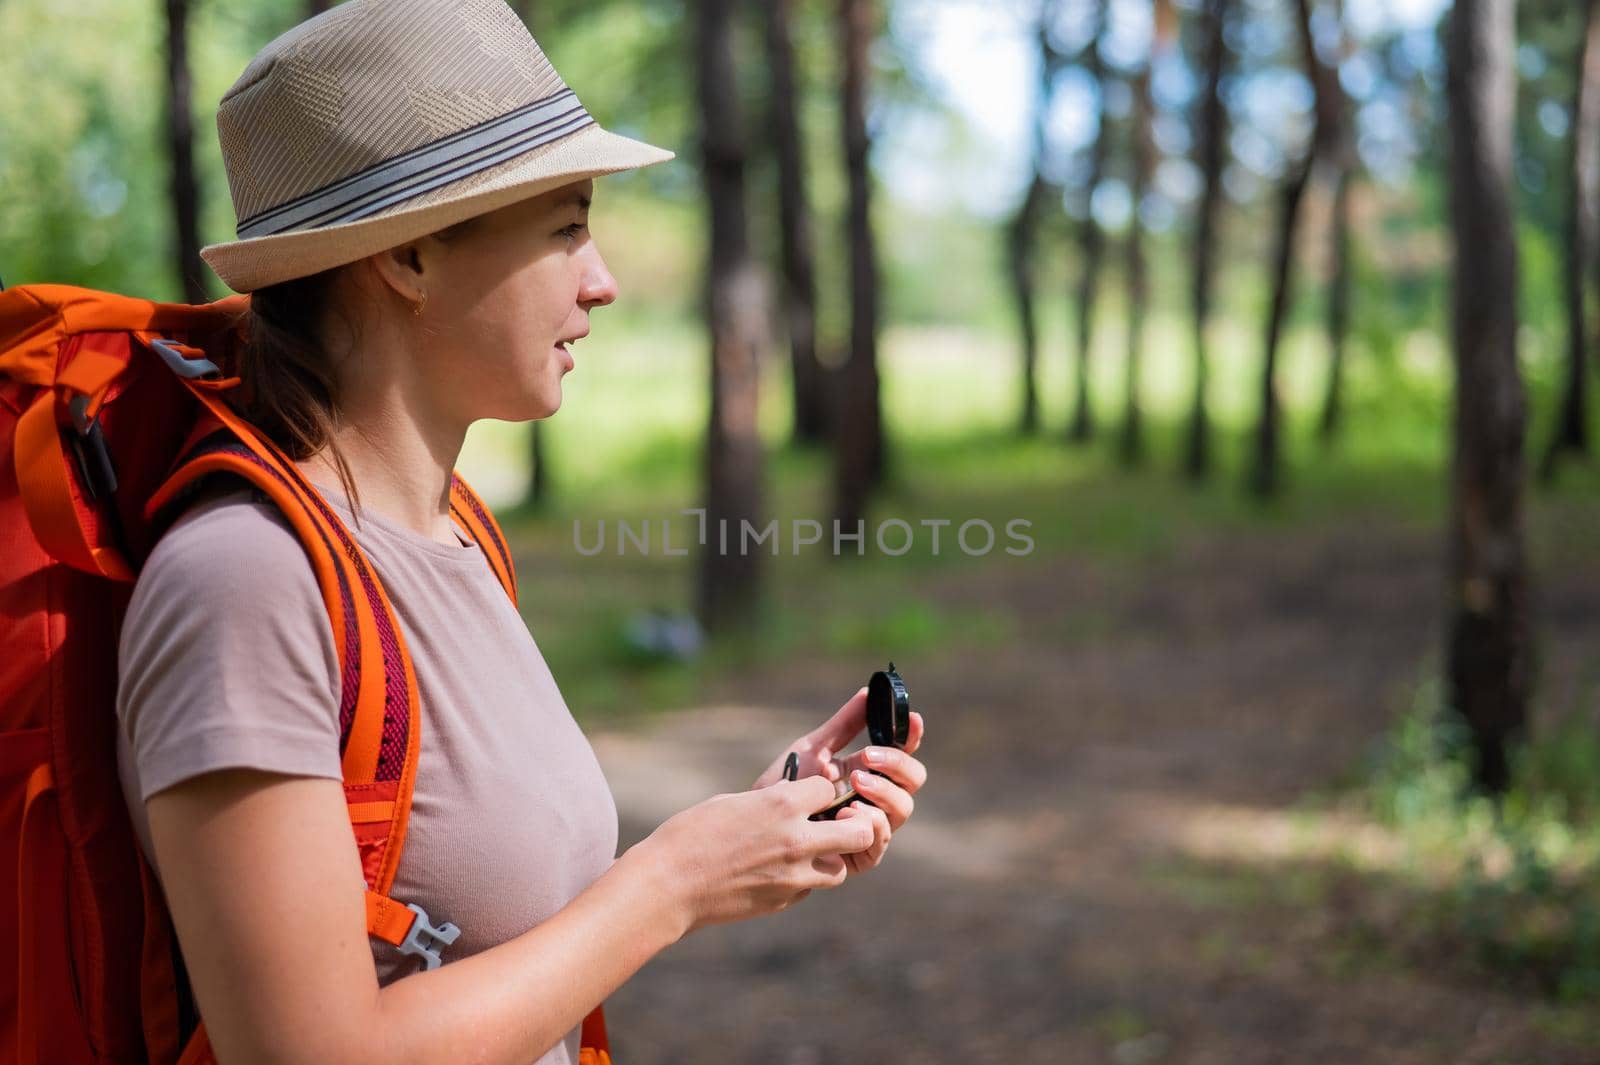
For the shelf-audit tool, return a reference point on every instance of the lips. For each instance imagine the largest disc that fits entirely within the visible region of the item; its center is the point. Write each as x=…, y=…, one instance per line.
x=561, y=346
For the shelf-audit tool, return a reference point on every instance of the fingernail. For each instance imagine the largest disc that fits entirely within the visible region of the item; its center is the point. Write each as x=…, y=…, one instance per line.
x=873, y=755
x=865, y=779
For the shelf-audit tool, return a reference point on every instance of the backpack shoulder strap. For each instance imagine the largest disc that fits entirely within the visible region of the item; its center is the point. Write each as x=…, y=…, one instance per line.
x=379, y=718
x=469, y=509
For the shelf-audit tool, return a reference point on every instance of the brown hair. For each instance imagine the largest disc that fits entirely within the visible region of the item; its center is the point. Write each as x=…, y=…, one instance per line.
x=288, y=387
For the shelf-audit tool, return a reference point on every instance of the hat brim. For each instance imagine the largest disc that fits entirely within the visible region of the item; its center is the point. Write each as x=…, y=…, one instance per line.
x=246, y=265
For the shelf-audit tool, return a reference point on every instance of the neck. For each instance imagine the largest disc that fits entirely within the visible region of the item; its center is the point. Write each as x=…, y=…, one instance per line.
x=399, y=475
x=399, y=452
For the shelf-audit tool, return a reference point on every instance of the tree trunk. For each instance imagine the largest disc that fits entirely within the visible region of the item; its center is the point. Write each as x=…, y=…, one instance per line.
x=1266, y=468
x=1021, y=237
x=1572, y=422
x=1337, y=144
x=185, y=187
x=1487, y=670
x=1022, y=234
x=1130, y=447
x=538, y=471
x=729, y=576
x=799, y=271
x=1092, y=238
x=1332, y=420
x=1266, y=472
x=859, y=453
x=1213, y=121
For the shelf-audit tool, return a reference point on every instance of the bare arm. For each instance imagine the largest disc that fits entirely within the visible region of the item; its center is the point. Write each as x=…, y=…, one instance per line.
x=265, y=889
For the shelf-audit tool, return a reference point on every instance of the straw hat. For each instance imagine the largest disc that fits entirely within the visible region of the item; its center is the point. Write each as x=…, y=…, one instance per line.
x=380, y=121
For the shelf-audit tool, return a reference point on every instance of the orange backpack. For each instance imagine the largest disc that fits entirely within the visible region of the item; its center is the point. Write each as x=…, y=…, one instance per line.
x=112, y=411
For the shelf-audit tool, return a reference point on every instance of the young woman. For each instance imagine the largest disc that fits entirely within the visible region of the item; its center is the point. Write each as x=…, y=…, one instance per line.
x=413, y=183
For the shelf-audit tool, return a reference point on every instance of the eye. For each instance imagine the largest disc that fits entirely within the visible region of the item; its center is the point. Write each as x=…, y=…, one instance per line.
x=571, y=232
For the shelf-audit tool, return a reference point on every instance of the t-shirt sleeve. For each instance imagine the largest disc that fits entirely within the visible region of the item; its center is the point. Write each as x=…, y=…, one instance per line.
x=227, y=658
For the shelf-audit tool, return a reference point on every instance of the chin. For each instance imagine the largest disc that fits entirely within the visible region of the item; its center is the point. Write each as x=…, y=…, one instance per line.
x=538, y=407
x=522, y=401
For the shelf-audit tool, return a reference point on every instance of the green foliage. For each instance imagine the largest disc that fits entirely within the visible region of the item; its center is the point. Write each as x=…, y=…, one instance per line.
x=81, y=161
x=1521, y=893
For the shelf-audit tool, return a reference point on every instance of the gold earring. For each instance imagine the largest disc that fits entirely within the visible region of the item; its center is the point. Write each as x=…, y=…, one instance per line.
x=416, y=308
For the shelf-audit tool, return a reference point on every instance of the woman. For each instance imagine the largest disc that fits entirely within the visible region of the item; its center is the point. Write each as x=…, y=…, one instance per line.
x=413, y=182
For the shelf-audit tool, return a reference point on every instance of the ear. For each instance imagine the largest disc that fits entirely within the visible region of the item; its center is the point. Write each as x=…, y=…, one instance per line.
x=400, y=270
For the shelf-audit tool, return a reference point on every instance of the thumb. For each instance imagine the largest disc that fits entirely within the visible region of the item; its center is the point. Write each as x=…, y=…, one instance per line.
x=810, y=794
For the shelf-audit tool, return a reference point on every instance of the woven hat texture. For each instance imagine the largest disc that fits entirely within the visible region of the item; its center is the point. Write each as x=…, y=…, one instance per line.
x=379, y=121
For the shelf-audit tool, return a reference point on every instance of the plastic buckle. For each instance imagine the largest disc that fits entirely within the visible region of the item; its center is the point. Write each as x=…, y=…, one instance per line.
x=192, y=369
x=424, y=940
x=98, y=473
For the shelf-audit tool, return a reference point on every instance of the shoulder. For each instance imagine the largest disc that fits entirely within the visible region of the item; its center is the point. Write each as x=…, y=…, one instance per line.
x=227, y=656
x=231, y=562
x=230, y=537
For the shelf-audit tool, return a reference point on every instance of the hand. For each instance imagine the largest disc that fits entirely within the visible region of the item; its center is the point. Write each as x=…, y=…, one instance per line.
x=891, y=794
x=755, y=852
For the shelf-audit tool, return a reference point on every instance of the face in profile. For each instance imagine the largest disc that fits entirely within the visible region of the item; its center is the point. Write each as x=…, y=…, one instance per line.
x=508, y=297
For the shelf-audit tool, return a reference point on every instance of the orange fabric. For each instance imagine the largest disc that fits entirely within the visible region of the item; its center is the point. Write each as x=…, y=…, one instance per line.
x=89, y=372
x=408, y=772
x=387, y=919
x=462, y=500
x=47, y=496
x=362, y=813
x=34, y=319
x=31, y=896
x=594, y=1032
x=199, y=1051
x=42, y=928
x=158, y=992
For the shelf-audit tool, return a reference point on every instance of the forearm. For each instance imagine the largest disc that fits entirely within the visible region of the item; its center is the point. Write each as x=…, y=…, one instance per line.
x=511, y=1003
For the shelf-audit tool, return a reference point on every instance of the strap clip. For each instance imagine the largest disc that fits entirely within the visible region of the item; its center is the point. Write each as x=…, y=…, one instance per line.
x=425, y=940
x=98, y=473
x=190, y=369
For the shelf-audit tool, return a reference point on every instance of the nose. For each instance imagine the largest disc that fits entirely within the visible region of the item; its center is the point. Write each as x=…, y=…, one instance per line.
x=597, y=287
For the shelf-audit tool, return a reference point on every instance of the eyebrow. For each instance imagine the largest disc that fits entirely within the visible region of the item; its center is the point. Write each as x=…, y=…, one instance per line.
x=578, y=198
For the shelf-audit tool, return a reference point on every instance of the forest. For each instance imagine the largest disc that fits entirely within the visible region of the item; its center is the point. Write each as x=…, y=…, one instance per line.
x=1192, y=397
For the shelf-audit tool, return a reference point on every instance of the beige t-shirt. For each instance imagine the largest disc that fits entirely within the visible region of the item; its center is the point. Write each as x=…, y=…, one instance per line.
x=227, y=660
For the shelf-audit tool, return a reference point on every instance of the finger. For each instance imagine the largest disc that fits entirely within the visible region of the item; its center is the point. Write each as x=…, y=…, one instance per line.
x=850, y=836
x=829, y=871
x=885, y=794
x=899, y=766
x=826, y=765
x=873, y=855
x=880, y=822
x=914, y=734
x=882, y=833
x=845, y=725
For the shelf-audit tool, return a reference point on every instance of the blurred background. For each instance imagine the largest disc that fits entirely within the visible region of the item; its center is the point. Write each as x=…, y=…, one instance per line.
x=1273, y=734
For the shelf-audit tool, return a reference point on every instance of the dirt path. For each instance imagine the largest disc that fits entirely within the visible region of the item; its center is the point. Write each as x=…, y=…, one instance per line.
x=1070, y=889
